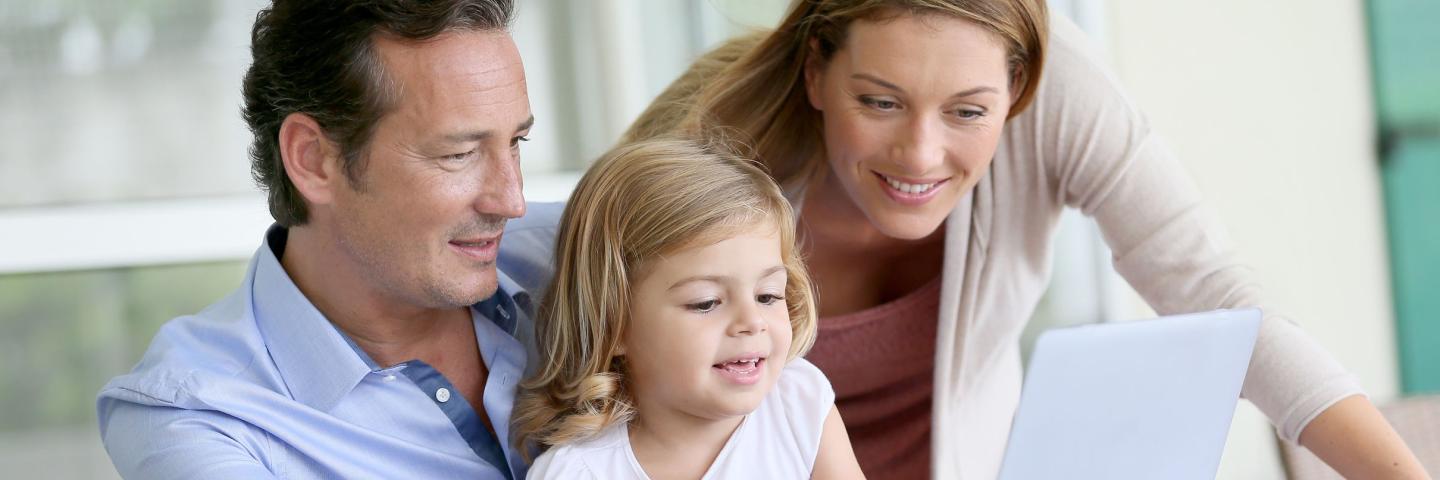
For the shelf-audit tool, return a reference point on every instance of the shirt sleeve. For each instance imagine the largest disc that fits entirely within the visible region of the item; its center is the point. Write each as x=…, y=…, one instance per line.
x=158, y=442
x=561, y=464
x=807, y=397
x=1099, y=154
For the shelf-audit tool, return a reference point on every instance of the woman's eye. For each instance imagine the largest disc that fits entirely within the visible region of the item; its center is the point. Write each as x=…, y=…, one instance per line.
x=879, y=103
x=767, y=298
x=703, y=307
x=969, y=114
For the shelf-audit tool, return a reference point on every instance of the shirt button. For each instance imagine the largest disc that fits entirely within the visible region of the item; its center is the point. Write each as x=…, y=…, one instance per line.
x=443, y=394
x=389, y=378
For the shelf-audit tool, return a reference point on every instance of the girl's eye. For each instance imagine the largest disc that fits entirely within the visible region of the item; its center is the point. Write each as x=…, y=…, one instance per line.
x=703, y=307
x=767, y=298
x=879, y=103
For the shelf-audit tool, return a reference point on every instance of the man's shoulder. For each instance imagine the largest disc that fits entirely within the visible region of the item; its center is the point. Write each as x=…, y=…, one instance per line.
x=219, y=344
x=538, y=216
x=191, y=403
x=528, y=248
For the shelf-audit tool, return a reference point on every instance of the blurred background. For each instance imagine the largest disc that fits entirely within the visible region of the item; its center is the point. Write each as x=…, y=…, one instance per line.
x=125, y=196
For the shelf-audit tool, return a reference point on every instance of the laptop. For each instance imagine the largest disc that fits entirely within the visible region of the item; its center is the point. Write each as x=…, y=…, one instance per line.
x=1145, y=399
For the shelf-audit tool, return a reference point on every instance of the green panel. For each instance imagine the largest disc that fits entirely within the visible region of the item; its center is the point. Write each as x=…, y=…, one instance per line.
x=1412, y=197
x=1405, y=47
x=1405, y=51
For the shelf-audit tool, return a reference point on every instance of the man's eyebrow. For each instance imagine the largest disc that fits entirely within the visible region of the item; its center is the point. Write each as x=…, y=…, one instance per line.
x=482, y=135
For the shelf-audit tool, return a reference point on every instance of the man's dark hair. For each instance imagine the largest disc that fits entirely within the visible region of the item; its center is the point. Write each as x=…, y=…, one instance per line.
x=317, y=57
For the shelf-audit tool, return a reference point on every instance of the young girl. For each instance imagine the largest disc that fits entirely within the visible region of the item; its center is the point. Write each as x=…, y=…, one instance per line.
x=671, y=335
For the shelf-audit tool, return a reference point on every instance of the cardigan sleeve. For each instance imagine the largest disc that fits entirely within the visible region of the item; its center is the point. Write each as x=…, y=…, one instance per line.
x=1097, y=153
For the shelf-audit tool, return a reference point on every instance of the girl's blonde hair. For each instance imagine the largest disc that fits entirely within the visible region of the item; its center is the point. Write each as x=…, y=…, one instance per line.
x=639, y=202
x=755, y=84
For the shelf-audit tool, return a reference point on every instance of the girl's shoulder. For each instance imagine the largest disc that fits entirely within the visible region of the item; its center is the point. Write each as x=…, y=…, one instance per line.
x=605, y=456
x=790, y=421
x=802, y=385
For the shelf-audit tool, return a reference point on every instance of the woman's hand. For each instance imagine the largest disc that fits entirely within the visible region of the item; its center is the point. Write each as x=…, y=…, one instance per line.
x=1354, y=439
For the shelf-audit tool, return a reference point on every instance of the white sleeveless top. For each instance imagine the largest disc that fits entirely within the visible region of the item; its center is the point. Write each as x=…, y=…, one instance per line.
x=778, y=440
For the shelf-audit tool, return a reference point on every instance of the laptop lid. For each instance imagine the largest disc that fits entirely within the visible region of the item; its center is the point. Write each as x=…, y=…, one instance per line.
x=1145, y=399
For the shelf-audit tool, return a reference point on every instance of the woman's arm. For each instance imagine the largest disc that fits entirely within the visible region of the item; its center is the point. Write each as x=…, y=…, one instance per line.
x=1354, y=439
x=1097, y=153
x=835, y=459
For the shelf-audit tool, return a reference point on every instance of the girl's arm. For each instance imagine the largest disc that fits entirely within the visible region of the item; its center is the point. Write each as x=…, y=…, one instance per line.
x=1353, y=438
x=835, y=460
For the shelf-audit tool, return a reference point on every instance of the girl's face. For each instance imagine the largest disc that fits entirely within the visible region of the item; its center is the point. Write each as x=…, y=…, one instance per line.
x=913, y=107
x=709, y=329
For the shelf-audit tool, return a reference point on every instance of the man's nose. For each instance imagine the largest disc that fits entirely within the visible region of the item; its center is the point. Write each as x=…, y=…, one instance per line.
x=502, y=189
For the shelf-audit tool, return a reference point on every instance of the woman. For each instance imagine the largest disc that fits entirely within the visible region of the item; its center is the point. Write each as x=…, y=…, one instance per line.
x=929, y=163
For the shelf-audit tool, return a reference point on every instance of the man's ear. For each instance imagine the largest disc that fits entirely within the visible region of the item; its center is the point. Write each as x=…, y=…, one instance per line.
x=311, y=160
x=813, y=74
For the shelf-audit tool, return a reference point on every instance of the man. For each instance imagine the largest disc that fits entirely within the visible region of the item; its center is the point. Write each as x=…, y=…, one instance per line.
x=373, y=336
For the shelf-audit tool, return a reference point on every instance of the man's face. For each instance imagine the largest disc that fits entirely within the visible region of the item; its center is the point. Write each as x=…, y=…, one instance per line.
x=423, y=221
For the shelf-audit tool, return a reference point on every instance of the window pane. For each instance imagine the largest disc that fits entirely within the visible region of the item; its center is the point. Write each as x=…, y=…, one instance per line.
x=113, y=100
x=63, y=335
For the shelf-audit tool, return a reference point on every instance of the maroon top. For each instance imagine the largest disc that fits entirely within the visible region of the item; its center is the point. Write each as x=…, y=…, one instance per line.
x=881, y=362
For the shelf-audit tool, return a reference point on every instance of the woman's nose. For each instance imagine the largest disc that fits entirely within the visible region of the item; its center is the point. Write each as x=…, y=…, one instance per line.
x=920, y=149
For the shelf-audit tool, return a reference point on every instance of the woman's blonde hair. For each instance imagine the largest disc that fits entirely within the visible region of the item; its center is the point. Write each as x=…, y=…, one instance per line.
x=755, y=84
x=639, y=202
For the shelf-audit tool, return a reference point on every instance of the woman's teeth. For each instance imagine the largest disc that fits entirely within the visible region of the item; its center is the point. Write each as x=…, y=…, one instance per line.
x=911, y=188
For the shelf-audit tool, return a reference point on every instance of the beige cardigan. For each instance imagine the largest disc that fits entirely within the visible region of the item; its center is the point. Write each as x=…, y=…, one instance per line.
x=1083, y=144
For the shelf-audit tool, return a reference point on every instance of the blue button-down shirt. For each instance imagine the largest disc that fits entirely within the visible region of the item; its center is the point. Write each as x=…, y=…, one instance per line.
x=261, y=385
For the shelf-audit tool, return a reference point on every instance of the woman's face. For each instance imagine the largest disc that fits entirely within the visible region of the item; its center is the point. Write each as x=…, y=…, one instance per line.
x=913, y=107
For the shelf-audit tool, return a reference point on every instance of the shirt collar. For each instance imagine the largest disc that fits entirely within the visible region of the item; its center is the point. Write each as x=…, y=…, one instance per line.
x=318, y=362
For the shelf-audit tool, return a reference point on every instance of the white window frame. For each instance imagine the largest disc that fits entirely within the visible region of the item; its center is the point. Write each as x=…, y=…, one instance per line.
x=162, y=232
